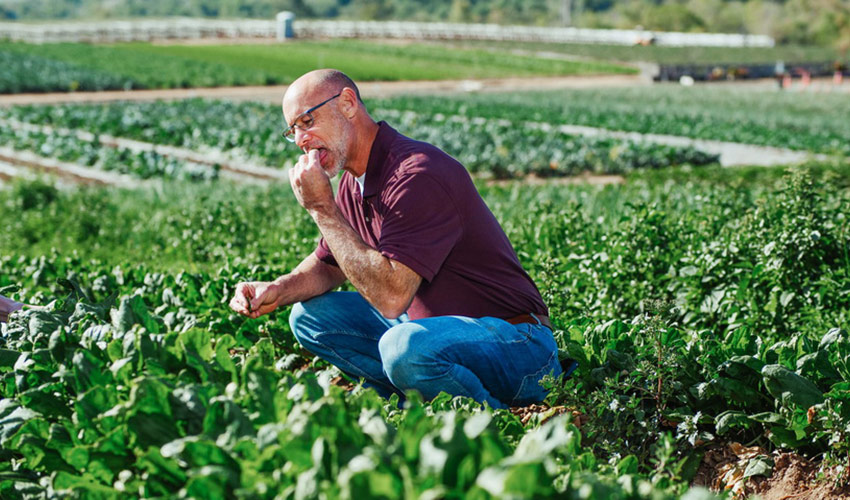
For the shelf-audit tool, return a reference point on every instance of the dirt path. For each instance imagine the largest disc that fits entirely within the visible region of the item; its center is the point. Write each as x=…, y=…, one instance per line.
x=17, y=162
x=9, y=172
x=368, y=89
x=731, y=153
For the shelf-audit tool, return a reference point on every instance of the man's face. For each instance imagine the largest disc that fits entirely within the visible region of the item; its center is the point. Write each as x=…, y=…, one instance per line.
x=319, y=125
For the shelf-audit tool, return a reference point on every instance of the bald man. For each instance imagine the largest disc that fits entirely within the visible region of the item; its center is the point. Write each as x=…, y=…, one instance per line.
x=442, y=302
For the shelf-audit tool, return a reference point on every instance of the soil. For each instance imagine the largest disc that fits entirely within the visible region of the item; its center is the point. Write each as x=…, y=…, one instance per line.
x=68, y=173
x=544, y=412
x=367, y=89
x=793, y=476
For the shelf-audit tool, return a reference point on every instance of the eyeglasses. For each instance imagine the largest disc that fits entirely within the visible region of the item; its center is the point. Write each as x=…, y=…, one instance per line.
x=305, y=120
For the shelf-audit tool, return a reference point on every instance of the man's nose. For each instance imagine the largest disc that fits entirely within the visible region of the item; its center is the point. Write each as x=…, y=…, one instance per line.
x=301, y=137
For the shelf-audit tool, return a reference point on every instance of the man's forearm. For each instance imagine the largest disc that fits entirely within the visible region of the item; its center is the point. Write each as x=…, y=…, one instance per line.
x=372, y=274
x=310, y=278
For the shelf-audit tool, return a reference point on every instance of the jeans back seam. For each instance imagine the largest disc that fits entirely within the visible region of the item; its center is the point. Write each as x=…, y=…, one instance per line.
x=536, y=375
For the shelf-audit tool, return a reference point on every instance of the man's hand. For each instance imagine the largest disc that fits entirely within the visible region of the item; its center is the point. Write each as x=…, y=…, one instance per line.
x=255, y=298
x=310, y=182
x=8, y=306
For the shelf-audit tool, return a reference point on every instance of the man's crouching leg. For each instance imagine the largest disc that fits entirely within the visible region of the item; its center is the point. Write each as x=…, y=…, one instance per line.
x=486, y=359
x=343, y=329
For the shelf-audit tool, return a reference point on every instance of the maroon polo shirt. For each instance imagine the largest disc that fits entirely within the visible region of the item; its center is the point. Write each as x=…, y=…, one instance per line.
x=420, y=207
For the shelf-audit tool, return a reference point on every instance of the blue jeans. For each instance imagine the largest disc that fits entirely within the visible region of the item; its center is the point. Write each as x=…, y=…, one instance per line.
x=487, y=359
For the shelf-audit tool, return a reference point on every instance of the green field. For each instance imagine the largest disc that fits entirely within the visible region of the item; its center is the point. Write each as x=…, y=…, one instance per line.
x=709, y=306
x=705, y=306
x=63, y=67
x=672, y=55
x=488, y=148
x=494, y=135
x=803, y=121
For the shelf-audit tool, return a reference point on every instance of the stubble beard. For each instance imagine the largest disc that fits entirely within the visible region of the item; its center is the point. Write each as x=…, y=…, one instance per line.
x=340, y=153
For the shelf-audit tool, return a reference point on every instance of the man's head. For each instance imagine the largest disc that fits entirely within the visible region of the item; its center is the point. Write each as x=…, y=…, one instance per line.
x=324, y=111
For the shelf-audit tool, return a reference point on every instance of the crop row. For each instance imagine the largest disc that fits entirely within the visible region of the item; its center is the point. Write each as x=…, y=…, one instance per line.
x=495, y=148
x=799, y=121
x=140, y=164
x=699, y=313
x=105, y=400
x=82, y=67
x=72, y=66
x=31, y=73
x=505, y=149
x=665, y=54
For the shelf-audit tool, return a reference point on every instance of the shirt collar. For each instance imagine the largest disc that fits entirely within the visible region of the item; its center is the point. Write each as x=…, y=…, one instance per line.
x=360, y=182
x=378, y=159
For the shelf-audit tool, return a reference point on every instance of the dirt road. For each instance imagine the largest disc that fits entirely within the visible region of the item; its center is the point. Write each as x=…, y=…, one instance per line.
x=368, y=89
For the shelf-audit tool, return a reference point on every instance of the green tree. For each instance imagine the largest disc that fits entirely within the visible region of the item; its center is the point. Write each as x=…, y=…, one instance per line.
x=672, y=17
x=460, y=11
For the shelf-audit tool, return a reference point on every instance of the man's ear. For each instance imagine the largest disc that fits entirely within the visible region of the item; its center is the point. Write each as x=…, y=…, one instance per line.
x=348, y=102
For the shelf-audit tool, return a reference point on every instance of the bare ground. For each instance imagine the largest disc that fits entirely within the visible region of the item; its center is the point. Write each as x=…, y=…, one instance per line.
x=18, y=162
x=368, y=89
x=793, y=476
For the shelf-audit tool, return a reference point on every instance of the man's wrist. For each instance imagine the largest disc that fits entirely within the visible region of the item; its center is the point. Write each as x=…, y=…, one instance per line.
x=322, y=210
x=278, y=288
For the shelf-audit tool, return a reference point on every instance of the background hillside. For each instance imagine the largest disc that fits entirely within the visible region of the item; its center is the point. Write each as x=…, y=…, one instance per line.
x=821, y=22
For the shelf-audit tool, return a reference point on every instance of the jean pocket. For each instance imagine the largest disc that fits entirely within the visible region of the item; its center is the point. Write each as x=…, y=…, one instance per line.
x=506, y=333
x=530, y=391
x=526, y=330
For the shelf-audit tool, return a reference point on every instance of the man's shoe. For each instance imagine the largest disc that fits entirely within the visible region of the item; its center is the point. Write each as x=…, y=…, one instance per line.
x=568, y=366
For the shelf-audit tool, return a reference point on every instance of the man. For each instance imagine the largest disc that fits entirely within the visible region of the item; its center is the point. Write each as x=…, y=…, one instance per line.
x=442, y=302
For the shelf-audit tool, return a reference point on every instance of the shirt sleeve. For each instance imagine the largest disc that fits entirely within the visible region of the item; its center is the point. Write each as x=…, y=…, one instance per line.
x=324, y=254
x=421, y=224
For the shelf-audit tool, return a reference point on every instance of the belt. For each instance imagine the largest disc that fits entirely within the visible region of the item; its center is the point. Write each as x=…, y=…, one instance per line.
x=531, y=318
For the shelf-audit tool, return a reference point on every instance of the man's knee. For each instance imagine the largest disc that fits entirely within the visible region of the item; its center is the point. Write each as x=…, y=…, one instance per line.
x=296, y=322
x=311, y=313
x=307, y=319
x=402, y=355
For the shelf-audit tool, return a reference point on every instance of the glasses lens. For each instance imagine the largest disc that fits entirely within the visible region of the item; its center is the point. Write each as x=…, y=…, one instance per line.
x=305, y=122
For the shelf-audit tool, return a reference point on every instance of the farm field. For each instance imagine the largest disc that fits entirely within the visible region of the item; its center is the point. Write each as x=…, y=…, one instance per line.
x=706, y=306
x=496, y=135
x=673, y=55
x=486, y=146
x=701, y=314
x=69, y=66
x=802, y=121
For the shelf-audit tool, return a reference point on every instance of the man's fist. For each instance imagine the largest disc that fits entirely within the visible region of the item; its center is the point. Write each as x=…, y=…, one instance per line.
x=310, y=182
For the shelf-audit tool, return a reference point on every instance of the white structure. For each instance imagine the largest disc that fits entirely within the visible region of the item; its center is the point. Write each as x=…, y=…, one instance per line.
x=285, y=20
x=180, y=28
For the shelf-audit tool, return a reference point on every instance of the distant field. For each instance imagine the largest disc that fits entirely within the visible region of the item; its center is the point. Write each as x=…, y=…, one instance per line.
x=800, y=121
x=66, y=66
x=499, y=149
x=672, y=55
